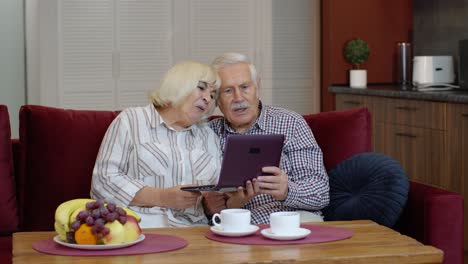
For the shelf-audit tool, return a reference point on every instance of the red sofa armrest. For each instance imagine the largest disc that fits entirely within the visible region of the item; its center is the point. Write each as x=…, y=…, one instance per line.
x=15, y=145
x=434, y=217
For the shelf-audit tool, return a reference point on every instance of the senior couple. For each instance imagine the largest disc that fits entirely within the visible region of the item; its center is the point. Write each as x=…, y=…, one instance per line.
x=149, y=153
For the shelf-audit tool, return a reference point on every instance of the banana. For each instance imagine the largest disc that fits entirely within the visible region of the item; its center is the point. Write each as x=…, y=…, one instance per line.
x=60, y=231
x=75, y=213
x=64, y=211
x=132, y=213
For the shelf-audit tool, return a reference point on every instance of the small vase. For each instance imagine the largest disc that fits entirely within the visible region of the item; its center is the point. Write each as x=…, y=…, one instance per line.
x=358, y=78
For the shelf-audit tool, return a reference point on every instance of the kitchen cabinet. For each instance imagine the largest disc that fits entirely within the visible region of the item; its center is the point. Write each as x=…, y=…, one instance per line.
x=346, y=101
x=420, y=151
x=457, y=178
x=413, y=132
x=457, y=121
x=410, y=131
x=427, y=132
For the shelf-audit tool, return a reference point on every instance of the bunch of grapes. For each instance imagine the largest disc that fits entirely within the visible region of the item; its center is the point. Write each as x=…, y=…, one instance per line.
x=97, y=214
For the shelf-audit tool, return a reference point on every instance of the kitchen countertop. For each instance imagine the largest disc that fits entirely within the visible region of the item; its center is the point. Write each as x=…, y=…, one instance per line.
x=391, y=90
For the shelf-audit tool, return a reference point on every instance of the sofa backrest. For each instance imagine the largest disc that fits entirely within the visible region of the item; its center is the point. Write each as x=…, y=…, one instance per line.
x=58, y=149
x=341, y=134
x=9, y=217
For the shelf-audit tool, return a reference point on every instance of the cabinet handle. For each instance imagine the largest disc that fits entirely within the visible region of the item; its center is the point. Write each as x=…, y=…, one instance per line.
x=406, y=108
x=352, y=102
x=406, y=135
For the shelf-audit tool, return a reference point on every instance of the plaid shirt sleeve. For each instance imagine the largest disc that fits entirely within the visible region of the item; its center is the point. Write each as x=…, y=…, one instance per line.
x=308, y=180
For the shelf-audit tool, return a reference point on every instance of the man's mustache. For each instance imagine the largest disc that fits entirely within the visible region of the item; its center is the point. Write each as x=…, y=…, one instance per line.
x=240, y=105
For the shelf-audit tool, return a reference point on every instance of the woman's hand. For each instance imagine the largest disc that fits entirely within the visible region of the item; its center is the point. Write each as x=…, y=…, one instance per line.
x=175, y=198
x=213, y=202
x=241, y=197
x=275, y=185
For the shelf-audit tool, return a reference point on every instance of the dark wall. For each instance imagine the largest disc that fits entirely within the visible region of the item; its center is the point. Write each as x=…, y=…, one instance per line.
x=439, y=25
x=381, y=23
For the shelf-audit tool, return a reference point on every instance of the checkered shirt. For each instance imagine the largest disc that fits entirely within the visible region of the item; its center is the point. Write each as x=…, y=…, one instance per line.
x=302, y=160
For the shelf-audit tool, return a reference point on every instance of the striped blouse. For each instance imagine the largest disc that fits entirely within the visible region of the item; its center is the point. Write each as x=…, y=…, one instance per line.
x=139, y=150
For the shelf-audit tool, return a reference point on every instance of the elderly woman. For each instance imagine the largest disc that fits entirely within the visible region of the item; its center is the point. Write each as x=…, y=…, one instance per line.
x=149, y=153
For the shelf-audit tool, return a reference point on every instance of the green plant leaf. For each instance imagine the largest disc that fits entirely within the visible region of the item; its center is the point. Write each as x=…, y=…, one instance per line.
x=356, y=52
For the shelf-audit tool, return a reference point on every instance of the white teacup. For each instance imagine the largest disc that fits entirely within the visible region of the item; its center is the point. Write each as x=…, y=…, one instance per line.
x=285, y=223
x=232, y=220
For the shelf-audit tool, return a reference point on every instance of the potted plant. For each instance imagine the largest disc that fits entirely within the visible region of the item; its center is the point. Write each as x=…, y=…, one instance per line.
x=356, y=53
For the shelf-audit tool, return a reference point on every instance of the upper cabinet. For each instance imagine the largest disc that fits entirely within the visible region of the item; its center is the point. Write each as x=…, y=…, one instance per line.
x=108, y=54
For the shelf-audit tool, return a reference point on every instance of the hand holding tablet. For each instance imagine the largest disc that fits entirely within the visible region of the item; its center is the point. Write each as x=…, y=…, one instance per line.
x=244, y=158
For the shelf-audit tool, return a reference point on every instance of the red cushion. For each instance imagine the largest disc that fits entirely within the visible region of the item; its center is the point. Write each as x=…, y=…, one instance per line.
x=58, y=152
x=9, y=217
x=341, y=134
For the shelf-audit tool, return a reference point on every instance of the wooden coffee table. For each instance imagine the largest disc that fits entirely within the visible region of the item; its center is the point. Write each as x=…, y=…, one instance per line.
x=371, y=243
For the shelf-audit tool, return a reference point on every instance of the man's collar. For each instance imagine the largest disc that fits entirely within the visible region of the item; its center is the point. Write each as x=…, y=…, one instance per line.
x=261, y=120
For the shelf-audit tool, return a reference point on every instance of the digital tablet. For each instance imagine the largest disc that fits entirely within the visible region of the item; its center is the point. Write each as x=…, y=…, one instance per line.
x=244, y=157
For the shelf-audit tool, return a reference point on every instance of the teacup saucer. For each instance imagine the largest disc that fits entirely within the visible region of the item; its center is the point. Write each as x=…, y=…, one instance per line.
x=219, y=231
x=301, y=233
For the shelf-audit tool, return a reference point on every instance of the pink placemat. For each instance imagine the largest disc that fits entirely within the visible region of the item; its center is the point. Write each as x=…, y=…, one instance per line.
x=318, y=234
x=153, y=243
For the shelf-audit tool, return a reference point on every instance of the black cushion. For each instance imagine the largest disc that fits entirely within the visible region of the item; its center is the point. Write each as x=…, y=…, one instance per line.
x=367, y=186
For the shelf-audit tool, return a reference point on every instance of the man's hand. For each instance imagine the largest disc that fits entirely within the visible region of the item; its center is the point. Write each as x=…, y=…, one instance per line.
x=241, y=197
x=213, y=202
x=175, y=198
x=275, y=185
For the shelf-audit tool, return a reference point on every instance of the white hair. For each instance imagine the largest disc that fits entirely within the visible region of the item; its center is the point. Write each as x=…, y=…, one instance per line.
x=180, y=81
x=234, y=58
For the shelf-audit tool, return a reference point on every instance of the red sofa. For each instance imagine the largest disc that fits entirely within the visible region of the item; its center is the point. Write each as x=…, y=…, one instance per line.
x=54, y=158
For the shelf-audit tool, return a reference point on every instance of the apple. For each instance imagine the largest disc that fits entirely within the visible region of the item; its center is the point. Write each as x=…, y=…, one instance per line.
x=132, y=229
x=116, y=233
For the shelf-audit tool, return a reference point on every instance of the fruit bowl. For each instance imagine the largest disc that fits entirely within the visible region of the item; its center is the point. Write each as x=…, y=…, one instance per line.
x=98, y=247
x=96, y=223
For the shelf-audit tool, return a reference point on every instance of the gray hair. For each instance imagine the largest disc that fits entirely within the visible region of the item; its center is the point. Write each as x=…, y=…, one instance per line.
x=234, y=58
x=180, y=81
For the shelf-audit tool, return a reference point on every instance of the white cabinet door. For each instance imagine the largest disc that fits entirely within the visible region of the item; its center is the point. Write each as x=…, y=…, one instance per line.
x=294, y=75
x=143, y=48
x=85, y=44
x=108, y=54
x=215, y=27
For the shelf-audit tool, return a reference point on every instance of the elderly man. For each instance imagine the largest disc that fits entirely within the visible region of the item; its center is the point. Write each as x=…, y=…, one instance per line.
x=301, y=182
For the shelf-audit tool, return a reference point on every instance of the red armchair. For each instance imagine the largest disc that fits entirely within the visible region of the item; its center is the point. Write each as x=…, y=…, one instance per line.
x=8, y=206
